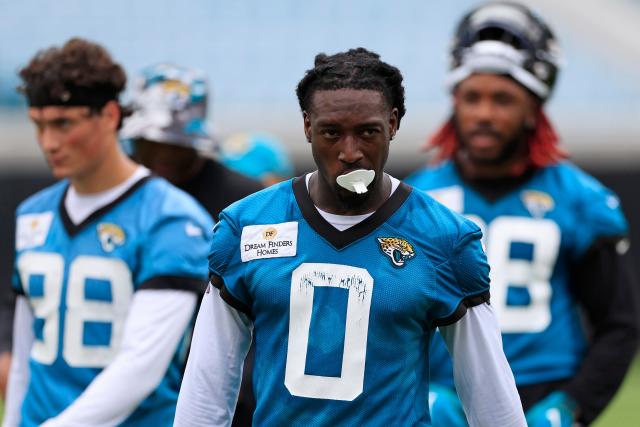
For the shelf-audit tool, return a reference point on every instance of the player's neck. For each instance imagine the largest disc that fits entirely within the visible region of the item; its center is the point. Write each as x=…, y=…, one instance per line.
x=113, y=169
x=327, y=198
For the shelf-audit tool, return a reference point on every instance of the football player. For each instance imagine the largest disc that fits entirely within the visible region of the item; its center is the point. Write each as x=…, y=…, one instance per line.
x=109, y=260
x=342, y=275
x=555, y=236
x=167, y=133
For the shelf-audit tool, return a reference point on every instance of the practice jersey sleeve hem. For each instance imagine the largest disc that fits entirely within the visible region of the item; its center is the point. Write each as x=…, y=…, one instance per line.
x=178, y=283
x=463, y=280
x=461, y=309
x=155, y=324
x=225, y=261
x=175, y=242
x=469, y=263
x=16, y=284
x=619, y=241
x=228, y=297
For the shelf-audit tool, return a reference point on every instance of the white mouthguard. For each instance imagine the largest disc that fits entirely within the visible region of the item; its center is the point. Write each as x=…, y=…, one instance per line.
x=356, y=181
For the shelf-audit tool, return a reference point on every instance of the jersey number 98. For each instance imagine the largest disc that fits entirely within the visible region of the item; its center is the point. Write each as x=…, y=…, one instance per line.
x=77, y=309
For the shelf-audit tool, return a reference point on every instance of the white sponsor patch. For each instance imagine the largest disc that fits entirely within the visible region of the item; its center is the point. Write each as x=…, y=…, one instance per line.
x=269, y=241
x=32, y=230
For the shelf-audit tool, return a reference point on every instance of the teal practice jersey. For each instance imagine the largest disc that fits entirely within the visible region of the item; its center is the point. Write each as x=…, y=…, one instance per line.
x=343, y=319
x=533, y=234
x=80, y=280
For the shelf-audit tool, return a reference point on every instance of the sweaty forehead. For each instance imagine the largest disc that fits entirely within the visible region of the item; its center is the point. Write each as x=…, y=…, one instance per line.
x=330, y=102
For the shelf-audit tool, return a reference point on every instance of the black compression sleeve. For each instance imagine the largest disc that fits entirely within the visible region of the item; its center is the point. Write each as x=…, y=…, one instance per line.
x=177, y=283
x=218, y=283
x=7, y=308
x=605, y=287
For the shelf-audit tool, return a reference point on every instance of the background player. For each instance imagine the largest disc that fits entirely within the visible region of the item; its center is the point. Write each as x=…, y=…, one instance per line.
x=342, y=275
x=168, y=134
x=109, y=260
x=555, y=237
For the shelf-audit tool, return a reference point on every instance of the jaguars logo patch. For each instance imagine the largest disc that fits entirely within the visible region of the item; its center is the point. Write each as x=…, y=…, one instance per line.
x=398, y=250
x=110, y=236
x=537, y=203
x=177, y=87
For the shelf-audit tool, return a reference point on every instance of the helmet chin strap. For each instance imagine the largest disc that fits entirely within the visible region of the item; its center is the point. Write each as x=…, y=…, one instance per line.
x=356, y=181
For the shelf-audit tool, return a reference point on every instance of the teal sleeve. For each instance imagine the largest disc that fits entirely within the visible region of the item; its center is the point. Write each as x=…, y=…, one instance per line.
x=463, y=281
x=174, y=254
x=16, y=283
x=225, y=265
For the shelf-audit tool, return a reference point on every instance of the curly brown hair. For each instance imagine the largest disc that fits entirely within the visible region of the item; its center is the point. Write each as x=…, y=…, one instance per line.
x=80, y=73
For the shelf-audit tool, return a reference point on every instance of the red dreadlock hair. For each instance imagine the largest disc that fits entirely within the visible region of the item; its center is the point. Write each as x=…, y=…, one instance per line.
x=544, y=149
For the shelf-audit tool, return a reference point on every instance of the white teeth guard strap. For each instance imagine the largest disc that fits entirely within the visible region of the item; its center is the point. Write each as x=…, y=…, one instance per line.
x=356, y=181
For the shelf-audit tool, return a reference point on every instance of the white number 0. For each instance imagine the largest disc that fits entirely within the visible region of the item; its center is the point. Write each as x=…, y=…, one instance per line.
x=359, y=283
x=78, y=309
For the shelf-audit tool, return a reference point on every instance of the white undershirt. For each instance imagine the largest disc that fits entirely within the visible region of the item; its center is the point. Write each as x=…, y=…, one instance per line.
x=155, y=325
x=343, y=222
x=23, y=338
x=211, y=383
x=80, y=206
x=156, y=322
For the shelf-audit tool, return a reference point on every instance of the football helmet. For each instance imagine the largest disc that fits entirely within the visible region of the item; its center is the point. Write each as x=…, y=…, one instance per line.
x=170, y=106
x=506, y=38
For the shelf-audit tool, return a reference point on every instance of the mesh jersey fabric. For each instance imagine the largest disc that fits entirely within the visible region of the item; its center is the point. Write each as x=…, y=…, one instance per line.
x=343, y=320
x=79, y=280
x=533, y=235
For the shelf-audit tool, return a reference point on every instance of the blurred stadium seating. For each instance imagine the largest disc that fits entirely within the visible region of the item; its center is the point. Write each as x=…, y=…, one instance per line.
x=254, y=55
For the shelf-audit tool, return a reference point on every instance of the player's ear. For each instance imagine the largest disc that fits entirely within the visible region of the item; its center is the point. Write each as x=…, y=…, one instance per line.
x=307, y=125
x=110, y=113
x=393, y=123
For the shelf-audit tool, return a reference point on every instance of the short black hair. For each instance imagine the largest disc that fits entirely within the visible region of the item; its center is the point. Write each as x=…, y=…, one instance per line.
x=354, y=69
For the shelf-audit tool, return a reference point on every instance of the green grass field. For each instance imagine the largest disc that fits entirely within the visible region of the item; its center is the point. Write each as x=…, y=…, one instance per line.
x=624, y=411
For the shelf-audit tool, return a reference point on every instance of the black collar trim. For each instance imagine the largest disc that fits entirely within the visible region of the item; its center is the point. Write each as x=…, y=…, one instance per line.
x=73, y=229
x=341, y=239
